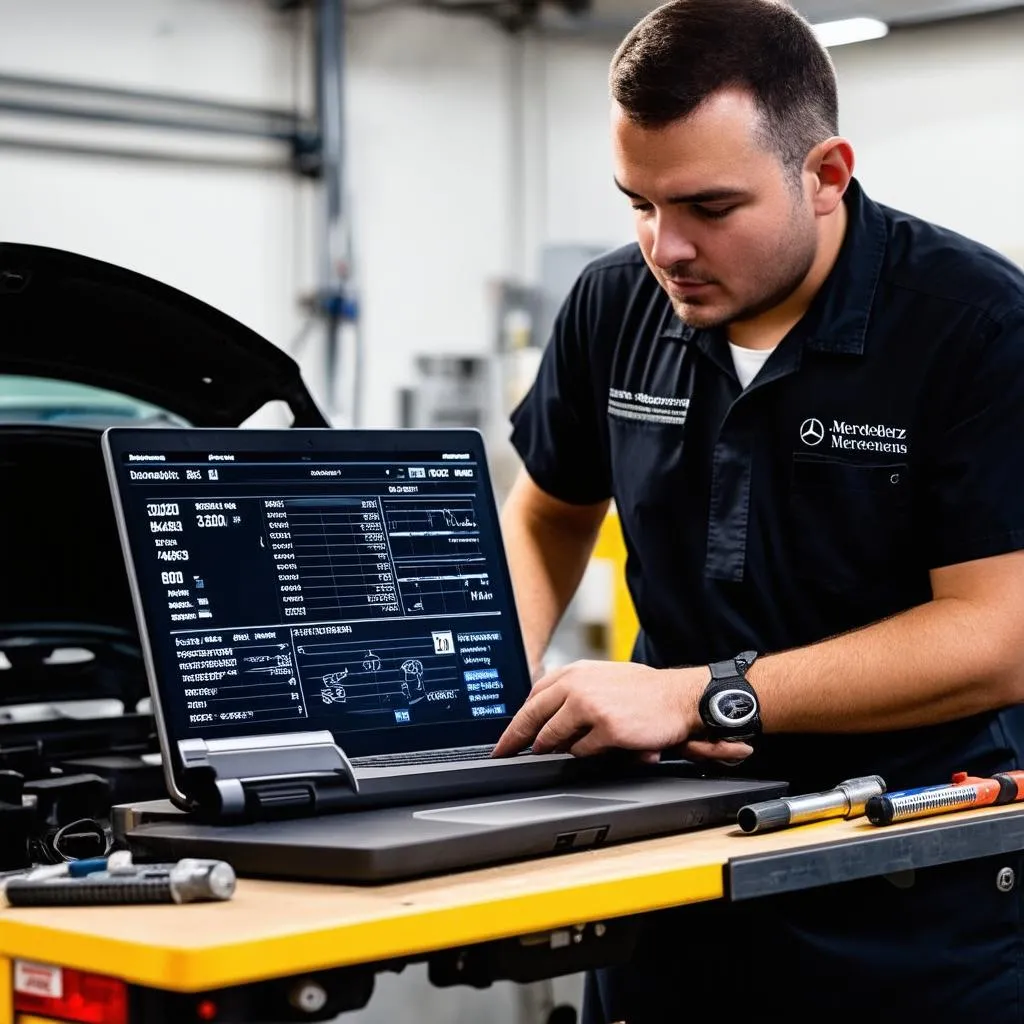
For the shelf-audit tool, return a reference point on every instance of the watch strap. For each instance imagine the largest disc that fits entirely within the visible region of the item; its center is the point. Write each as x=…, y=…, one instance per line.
x=729, y=707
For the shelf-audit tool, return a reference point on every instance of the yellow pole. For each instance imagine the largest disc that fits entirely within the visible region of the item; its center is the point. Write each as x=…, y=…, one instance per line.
x=6, y=991
x=624, y=625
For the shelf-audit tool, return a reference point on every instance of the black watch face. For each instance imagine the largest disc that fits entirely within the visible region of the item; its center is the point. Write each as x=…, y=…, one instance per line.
x=733, y=708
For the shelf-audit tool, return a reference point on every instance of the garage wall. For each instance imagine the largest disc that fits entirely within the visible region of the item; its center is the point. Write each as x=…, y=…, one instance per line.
x=427, y=160
x=227, y=235
x=429, y=145
x=937, y=117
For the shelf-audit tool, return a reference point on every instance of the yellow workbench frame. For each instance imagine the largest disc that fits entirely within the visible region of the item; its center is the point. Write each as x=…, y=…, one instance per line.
x=283, y=929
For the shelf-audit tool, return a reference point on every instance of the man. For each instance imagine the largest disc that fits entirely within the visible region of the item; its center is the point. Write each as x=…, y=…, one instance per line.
x=809, y=410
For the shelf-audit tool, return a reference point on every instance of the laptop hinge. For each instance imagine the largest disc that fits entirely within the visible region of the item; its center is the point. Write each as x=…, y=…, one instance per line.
x=256, y=778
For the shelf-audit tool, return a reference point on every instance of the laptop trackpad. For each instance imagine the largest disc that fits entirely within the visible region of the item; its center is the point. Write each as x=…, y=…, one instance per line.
x=523, y=811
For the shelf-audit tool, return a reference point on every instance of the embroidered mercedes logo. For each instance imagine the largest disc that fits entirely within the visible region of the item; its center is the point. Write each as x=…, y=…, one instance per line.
x=812, y=432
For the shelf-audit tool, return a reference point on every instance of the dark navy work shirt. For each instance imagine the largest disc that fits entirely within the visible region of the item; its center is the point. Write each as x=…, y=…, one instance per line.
x=883, y=437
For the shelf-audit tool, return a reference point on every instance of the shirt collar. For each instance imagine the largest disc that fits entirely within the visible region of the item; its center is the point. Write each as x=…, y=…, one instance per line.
x=837, y=320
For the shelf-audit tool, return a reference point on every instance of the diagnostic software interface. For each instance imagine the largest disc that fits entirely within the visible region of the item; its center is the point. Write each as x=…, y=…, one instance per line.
x=354, y=592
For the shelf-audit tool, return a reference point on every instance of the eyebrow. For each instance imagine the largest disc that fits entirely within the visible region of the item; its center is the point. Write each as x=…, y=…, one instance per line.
x=710, y=195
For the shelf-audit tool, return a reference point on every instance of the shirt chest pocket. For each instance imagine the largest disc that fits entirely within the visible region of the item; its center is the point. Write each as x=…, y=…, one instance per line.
x=849, y=521
x=650, y=486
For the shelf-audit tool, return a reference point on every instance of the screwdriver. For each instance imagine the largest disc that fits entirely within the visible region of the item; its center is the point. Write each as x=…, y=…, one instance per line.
x=963, y=792
x=189, y=880
x=847, y=800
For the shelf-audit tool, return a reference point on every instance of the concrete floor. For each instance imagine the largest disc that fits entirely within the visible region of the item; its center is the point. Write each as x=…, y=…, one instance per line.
x=409, y=997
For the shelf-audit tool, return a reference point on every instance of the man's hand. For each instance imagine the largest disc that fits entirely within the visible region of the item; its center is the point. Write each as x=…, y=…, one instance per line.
x=592, y=706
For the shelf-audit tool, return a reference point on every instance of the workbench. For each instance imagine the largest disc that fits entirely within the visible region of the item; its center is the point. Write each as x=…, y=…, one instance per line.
x=523, y=921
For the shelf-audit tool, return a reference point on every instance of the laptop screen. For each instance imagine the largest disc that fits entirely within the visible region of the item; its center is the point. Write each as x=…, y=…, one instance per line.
x=346, y=580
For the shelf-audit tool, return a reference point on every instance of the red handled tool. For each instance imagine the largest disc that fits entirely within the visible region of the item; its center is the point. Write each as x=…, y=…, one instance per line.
x=963, y=792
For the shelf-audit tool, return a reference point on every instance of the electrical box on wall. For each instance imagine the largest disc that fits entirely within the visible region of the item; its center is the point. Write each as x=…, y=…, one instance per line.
x=450, y=391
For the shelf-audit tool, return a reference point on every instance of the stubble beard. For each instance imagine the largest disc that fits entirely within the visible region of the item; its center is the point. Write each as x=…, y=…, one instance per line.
x=795, y=257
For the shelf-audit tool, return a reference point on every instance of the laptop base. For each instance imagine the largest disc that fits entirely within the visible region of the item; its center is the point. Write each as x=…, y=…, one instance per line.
x=398, y=843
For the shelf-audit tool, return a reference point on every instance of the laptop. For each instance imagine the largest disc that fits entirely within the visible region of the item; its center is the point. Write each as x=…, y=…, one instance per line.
x=328, y=625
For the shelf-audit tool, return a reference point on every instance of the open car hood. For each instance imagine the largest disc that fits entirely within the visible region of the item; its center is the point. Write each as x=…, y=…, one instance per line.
x=68, y=317
x=67, y=627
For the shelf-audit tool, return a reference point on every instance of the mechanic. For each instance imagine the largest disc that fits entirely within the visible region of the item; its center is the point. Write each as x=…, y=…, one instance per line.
x=809, y=411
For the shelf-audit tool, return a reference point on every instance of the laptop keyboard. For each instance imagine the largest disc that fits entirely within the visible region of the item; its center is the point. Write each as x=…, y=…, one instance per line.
x=424, y=757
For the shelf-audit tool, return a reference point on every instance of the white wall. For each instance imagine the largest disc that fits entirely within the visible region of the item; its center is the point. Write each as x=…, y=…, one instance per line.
x=582, y=204
x=228, y=236
x=937, y=117
x=429, y=139
x=428, y=161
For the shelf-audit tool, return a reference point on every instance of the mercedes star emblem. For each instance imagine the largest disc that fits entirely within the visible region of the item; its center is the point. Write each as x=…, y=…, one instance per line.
x=812, y=432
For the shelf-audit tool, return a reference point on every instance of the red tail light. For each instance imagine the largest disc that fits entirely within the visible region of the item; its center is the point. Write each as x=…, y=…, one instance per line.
x=49, y=991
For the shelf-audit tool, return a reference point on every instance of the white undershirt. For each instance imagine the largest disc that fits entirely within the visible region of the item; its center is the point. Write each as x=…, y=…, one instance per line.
x=748, y=361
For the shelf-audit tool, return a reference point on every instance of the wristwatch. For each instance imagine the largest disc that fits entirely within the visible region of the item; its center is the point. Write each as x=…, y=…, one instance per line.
x=729, y=707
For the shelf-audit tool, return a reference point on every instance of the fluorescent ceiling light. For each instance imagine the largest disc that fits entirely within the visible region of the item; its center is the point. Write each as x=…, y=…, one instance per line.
x=850, y=30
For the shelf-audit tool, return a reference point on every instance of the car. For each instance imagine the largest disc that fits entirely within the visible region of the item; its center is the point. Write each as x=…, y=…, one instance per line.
x=85, y=345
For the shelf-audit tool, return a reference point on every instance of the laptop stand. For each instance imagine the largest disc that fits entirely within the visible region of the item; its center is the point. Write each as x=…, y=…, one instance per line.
x=260, y=778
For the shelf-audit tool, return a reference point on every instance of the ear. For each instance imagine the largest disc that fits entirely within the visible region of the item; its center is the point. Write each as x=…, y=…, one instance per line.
x=830, y=165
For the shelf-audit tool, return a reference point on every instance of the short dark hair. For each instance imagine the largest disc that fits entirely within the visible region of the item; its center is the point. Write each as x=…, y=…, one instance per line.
x=686, y=50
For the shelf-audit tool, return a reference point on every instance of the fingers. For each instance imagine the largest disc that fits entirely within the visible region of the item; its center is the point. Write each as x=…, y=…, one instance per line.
x=563, y=731
x=730, y=754
x=574, y=670
x=726, y=751
x=528, y=722
x=546, y=681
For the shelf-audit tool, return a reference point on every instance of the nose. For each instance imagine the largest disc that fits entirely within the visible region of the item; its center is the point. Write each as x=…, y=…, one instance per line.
x=669, y=243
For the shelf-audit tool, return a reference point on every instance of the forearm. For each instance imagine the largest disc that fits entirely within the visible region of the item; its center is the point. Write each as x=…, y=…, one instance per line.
x=956, y=656
x=947, y=659
x=547, y=559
